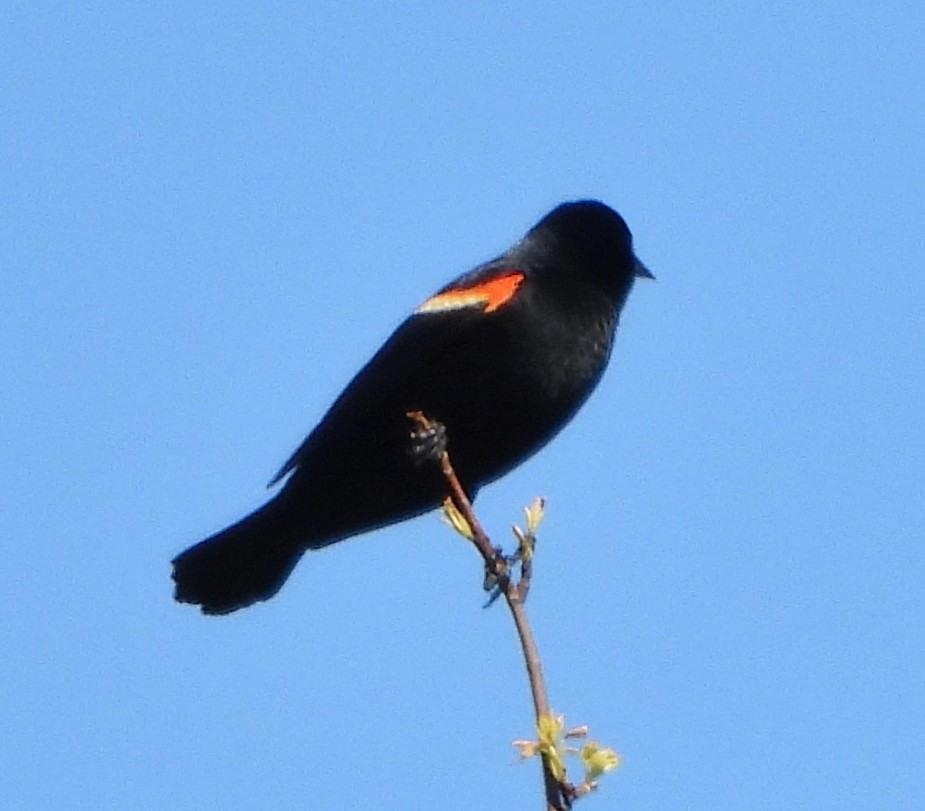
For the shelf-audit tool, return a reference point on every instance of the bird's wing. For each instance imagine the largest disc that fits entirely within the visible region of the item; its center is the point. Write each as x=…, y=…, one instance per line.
x=441, y=320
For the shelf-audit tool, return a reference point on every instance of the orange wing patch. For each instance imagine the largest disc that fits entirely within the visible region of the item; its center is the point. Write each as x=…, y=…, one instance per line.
x=490, y=295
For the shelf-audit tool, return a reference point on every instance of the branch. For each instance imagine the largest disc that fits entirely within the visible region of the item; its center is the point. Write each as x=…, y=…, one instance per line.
x=559, y=794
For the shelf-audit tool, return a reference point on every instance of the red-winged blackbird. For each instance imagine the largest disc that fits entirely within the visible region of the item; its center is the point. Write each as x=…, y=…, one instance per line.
x=502, y=357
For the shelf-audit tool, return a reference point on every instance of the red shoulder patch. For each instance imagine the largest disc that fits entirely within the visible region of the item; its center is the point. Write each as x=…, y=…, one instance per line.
x=490, y=295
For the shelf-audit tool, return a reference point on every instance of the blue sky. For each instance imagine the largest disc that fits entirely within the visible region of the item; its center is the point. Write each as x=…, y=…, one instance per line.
x=214, y=213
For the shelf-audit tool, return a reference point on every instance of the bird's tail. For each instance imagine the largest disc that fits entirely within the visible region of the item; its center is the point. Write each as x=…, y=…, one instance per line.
x=241, y=565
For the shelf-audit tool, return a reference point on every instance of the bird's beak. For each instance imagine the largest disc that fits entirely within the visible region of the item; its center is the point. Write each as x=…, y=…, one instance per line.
x=643, y=271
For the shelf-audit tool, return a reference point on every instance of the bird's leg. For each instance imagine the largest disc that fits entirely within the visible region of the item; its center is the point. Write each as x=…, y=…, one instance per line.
x=428, y=444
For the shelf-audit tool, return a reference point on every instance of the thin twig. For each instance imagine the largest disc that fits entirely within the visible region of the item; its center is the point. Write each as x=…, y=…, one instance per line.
x=558, y=795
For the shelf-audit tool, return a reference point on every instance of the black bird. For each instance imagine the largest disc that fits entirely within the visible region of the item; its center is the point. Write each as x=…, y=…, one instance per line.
x=502, y=357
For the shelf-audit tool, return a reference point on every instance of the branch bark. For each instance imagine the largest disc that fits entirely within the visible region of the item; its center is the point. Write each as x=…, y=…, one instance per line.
x=558, y=795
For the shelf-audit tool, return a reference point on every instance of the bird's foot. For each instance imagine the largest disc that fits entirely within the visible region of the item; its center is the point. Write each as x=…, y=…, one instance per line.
x=497, y=575
x=428, y=442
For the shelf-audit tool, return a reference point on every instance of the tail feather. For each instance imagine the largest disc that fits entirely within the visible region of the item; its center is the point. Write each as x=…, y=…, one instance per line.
x=238, y=566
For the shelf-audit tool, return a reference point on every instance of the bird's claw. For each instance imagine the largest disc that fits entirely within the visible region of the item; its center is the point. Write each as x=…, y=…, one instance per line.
x=497, y=575
x=428, y=444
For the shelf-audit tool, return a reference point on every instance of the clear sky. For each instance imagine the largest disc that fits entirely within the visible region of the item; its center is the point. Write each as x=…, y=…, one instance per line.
x=212, y=214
